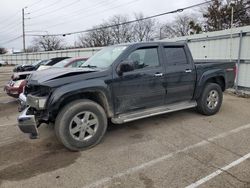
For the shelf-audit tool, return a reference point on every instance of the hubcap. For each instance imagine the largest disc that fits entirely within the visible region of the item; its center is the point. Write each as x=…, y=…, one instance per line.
x=83, y=126
x=212, y=99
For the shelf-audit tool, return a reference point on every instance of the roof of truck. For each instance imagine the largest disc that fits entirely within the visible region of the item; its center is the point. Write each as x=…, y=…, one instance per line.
x=151, y=42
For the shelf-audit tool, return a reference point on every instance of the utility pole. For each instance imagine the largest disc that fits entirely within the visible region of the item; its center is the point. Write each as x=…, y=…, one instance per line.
x=23, y=18
x=231, y=32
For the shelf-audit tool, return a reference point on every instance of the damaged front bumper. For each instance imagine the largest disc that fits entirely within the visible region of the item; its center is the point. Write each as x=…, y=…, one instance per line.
x=22, y=102
x=27, y=123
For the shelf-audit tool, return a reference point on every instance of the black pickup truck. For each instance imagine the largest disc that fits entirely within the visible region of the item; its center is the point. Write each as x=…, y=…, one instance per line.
x=121, y=83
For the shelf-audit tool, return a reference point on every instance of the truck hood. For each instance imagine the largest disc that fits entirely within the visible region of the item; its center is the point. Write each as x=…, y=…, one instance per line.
x=58, y=76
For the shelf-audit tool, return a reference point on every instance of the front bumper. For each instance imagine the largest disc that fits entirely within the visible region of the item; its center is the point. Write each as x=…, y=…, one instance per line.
x=22, y=102
x=12, y=91
x=27, y=123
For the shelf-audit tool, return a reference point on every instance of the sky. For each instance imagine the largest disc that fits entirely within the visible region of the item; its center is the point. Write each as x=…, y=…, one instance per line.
x=62, y=16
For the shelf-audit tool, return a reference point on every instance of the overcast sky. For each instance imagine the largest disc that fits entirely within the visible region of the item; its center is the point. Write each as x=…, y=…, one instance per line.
x=59, y=16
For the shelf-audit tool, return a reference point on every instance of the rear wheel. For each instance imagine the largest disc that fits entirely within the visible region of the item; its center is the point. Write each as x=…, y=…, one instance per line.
x=81, y=125
x=210, y=100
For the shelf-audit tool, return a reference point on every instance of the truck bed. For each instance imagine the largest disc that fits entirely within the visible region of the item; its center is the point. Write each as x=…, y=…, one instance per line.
x=227, y=66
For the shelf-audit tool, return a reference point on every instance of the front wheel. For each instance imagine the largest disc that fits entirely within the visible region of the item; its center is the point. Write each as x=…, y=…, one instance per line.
x=81, y=124
x=209, y=102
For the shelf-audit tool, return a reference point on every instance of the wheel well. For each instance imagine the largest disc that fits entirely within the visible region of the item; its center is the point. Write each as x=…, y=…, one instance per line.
x=97, y=97
x=218, y=80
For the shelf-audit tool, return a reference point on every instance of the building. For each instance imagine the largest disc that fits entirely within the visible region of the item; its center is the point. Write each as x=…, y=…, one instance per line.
x=232, y=44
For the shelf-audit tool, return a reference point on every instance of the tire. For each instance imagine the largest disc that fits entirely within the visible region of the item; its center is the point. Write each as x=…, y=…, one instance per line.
x=208, y=104
x=76, y=115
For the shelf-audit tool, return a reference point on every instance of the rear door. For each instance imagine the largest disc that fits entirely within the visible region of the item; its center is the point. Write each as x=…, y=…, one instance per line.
x=142, y=87
x=180, y=74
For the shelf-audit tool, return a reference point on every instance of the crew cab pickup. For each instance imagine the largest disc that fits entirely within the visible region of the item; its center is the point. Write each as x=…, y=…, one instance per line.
x=121, y=83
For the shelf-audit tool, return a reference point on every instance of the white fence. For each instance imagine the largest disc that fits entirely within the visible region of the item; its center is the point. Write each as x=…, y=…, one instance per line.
x=28, y=58
x=231, y=44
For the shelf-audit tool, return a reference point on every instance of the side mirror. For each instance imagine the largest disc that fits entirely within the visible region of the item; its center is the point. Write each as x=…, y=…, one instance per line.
x=125, y=66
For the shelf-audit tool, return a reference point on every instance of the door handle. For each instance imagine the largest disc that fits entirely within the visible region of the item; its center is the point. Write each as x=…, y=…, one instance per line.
x=188, y=70
x=158, y=74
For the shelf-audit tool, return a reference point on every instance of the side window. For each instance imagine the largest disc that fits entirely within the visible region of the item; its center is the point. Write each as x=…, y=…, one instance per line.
x=176, y=55
x=144, y=57
x=77, y=63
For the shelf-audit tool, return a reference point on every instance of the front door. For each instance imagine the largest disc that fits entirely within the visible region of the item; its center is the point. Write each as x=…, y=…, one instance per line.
x=144, y=86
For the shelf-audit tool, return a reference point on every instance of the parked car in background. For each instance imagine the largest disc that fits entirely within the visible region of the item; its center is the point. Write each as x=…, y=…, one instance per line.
x=121, y=83
x=44, y=65
x=2, y=63
x=32, y=67
x=71, y=62
x=15, y=86
x=36, y=65
x=51, y=62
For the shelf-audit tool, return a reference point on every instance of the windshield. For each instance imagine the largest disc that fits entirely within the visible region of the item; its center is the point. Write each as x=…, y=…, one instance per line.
x=62, y=63
x=37, y=62
x=105, y=57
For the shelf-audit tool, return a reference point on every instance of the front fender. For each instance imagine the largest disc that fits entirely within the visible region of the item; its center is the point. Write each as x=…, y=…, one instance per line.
x=77, y=89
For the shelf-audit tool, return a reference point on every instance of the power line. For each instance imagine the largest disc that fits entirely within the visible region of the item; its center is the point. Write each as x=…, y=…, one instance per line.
x=11, y=40
x=45, y=7
x=9, y=22
x=9, y=18
x=53, y=11
x=10, y=27
x=79, y=11
x=129, y=22
x=120, y=5
x=33, y=4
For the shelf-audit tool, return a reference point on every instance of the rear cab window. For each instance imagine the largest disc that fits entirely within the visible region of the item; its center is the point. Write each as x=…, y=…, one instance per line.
x=175, y=55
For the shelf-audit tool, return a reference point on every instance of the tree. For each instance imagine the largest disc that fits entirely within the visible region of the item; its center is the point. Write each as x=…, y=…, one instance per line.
x=143, y=30
x=48, y=43
x=182, y=25
x=104, y=34
x=113, y=31
x=120, y=33
x=98, y=37
x=3, y=50
x=218, y=14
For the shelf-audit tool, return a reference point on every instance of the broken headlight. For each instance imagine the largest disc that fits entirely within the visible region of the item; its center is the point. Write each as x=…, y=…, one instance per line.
x=36, y=102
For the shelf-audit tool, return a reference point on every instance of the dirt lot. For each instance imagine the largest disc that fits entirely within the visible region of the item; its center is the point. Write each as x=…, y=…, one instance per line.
x=173, y=150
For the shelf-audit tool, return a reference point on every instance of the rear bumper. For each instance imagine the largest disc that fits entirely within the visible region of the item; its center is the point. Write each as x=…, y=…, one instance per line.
x=27, y=123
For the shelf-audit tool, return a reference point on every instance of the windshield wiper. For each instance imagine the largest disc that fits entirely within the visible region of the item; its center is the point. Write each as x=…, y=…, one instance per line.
x=89, y=66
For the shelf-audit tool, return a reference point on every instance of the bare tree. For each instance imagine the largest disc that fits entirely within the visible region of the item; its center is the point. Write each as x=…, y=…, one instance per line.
x=96, y=38
x=182, y=25
x=120, y=33
x=114, y=31
x=48, y=43
x=143, y=29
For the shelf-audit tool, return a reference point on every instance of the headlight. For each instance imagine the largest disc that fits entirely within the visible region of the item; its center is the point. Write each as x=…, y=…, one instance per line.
x=36, y=102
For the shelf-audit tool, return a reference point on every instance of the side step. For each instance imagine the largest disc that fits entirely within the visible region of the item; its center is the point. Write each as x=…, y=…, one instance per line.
x=127, y=117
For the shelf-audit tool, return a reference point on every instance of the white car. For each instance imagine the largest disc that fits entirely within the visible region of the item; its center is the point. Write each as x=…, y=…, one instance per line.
x=2, y=63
